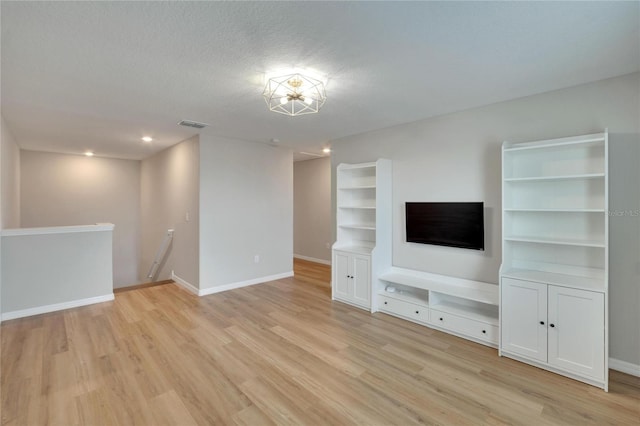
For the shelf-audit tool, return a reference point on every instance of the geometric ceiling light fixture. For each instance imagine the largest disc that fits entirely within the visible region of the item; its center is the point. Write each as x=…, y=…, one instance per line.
x=294, y=94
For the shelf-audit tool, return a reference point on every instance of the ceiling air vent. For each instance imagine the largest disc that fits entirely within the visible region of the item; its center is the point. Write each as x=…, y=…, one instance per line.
x=194, y=124
x=311, y=154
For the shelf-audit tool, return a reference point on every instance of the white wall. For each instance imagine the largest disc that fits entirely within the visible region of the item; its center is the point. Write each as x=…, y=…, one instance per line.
x=456, y=157
x=59, y=190
x=43, y=269
x=246, y=209
x=312, y=209
x=10, y=198
x=169, y=194
x=9, y=183
x=624, y=250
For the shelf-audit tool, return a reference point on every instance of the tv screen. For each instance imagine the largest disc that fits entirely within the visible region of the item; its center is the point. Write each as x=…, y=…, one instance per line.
x=446, y=224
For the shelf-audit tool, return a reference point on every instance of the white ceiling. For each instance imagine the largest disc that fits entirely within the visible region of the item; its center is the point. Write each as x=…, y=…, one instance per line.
x=100, y=75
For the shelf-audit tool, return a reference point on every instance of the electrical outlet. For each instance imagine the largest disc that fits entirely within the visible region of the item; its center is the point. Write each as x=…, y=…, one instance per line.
x=187, y=217
x=256, y=258
x=328, y=245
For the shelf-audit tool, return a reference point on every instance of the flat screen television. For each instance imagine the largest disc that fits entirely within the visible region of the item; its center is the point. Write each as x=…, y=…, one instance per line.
x=446, y=224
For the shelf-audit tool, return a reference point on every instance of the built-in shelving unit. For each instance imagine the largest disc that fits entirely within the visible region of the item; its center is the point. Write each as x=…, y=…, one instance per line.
x=555, y=245
x=363, y=244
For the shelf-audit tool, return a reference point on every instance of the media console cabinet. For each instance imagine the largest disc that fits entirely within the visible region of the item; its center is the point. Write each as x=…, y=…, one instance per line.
x=462, y=307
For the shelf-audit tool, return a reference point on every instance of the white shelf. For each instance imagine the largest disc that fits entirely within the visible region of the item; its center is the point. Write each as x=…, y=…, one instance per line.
x=477, y=313
x=465, y=289
x=358, y=187
x=558, y=143
x=357, y=207
x=572, y=281
x=557, y=210
x=552, y=178
x=365, y=226
x=406, y=297
x=558, y=241
x=354, y=249
x=357, y=166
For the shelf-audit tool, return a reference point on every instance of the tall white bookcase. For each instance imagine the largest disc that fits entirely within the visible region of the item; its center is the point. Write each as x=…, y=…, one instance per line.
x=555, y=256
x=363, y=246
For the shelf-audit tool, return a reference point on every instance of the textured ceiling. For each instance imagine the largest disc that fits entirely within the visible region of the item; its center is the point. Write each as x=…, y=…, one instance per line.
x=100, y=75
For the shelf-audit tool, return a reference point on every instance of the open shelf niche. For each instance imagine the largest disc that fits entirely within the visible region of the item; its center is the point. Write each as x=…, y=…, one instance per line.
x=555, y=201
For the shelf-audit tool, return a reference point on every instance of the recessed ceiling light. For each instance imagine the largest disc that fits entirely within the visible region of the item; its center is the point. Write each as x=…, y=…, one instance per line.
x=89, y=153
x=326, y=150
x=147, y=138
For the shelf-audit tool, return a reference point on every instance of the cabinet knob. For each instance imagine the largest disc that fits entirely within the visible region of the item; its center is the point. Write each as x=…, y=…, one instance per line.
x=385, y=303
x=440, y=319
x=417, y=312
x=484, y=331
x=552, y=325
x=541, y=322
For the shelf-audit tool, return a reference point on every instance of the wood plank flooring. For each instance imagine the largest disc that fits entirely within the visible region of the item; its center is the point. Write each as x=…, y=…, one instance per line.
x=275, y=353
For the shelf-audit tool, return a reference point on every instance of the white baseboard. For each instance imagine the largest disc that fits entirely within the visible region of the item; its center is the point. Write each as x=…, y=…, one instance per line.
x=185, y=284
x=55, y=307
x=624, y=367
x=221, y=288
x=312, y=259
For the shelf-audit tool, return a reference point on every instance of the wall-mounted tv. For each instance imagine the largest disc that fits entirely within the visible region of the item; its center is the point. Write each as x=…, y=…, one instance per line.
x=446, y=224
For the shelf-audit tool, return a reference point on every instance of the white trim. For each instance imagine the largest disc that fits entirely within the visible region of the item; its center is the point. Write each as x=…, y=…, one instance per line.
x=185, y=284
x=56, y=307
x=312, y=259
x=543, y=365
x=57, y=230
x=221, y=288
x=624, y=367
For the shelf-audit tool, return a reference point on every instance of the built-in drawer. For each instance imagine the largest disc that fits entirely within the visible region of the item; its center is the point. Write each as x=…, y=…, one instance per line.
x=468, y=327
x=403, y=309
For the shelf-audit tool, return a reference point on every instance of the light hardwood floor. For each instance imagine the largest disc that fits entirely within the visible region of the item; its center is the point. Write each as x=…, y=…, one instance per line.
x=275, y=353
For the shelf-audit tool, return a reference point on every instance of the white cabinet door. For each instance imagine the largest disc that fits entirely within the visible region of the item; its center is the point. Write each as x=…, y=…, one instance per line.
x=524, y=318
x=576, y=331
x=341, y=275
x=361, y=280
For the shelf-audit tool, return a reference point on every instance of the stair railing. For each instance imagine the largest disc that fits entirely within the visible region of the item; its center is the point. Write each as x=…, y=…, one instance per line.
x=162, y=251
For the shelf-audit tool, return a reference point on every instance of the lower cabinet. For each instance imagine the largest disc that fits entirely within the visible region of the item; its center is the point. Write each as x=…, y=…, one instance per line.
x=352, y=278
x=403, y=309
x=524, y=318
x=468, y=327
x=555, y=326
x=576, y=331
